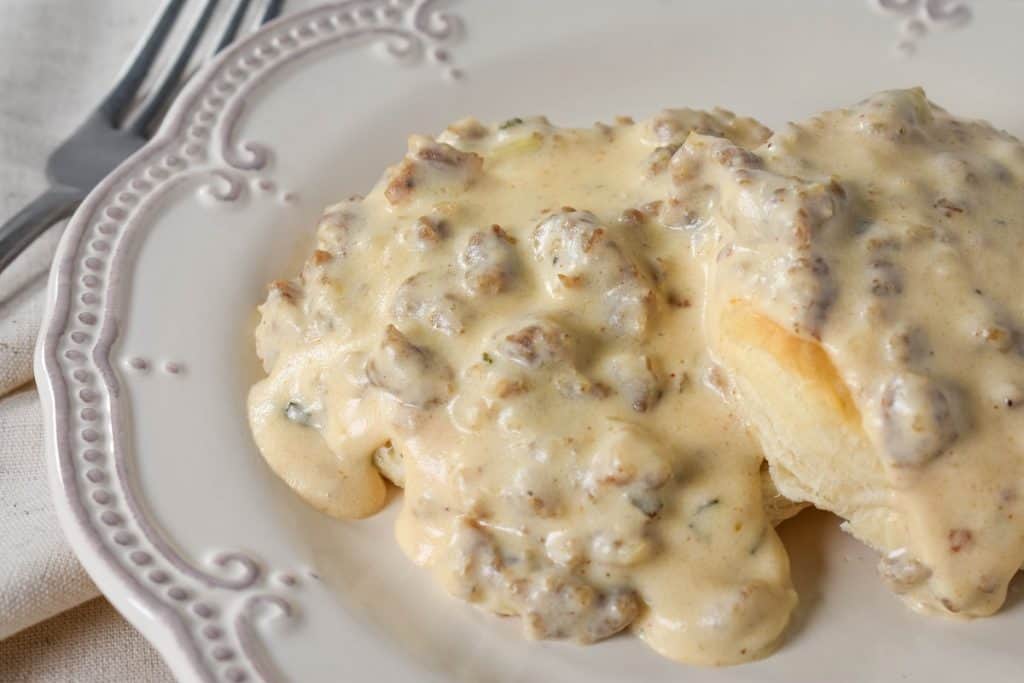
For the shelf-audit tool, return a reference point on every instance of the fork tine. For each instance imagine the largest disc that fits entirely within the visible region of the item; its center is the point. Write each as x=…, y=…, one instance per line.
x=116, y=102
x=271, y=11
x=234, y=23
x=156, y=102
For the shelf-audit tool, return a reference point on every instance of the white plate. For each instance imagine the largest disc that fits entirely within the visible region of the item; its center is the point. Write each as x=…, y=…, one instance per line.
x=146, y=356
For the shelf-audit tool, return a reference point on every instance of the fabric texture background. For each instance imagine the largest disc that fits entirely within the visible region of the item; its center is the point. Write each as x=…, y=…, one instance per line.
x=57, y=58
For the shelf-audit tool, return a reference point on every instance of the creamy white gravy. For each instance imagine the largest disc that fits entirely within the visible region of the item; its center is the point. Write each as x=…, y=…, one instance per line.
x=501, y=328
x=512, y=326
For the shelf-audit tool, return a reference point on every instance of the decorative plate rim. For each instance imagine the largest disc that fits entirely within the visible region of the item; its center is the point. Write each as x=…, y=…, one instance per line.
x=200, y=618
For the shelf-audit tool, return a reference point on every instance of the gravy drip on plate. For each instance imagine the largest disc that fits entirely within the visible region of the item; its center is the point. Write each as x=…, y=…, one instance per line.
x=893, y=233
x=503, y=328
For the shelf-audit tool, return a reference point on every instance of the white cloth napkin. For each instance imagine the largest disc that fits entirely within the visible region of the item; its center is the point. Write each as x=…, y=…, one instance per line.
x=57, y=57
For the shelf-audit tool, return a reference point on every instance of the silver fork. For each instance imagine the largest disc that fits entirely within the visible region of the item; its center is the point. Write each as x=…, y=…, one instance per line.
x=116, y=129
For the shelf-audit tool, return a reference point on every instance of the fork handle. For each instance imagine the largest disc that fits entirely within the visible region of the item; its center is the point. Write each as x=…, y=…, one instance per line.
x=25, y=226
